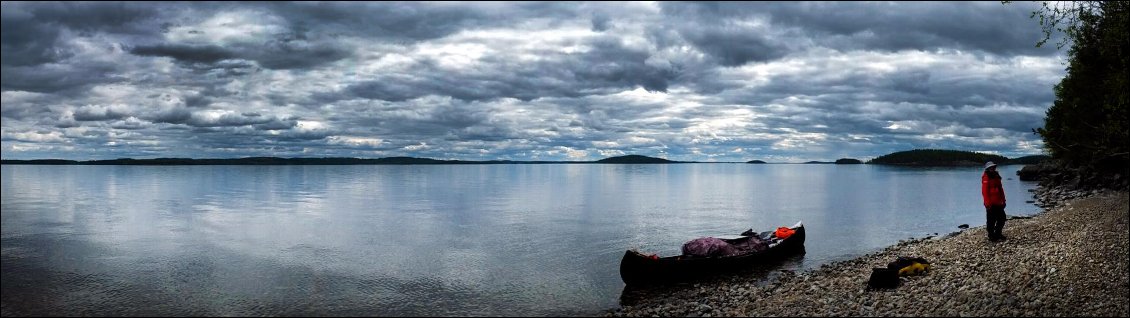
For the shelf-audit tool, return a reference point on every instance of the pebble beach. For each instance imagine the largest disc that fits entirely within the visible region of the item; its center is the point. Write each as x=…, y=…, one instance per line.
x=1070, y=260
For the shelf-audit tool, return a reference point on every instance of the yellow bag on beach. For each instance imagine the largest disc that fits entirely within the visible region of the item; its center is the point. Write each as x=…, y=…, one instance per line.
x=914, y=269
x=908, y=266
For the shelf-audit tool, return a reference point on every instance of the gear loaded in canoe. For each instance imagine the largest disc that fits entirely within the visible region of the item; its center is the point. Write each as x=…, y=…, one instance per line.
x=640, y=269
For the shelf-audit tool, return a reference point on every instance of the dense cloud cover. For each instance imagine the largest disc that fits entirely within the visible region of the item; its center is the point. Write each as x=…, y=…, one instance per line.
x=781, y=82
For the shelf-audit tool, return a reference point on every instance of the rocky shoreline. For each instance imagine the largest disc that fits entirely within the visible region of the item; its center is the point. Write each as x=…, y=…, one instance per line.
x=1071, y=260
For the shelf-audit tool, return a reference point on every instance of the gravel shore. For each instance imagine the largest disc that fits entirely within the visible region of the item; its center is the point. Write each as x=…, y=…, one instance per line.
x=1071, y=260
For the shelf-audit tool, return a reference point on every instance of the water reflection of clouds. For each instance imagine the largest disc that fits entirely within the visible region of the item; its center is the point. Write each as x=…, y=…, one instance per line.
x=487, y=239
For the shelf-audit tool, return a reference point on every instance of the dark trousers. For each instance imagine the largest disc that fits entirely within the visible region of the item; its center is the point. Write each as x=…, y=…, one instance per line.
x=995, y=216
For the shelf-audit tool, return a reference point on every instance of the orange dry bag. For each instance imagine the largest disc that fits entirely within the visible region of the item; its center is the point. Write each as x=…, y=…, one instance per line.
x=784, y=232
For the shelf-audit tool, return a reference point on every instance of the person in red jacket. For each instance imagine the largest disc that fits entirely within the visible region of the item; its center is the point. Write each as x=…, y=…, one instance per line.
x=993, y=194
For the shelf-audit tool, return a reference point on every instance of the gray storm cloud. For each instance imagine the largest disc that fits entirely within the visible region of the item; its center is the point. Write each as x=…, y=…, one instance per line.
x=522, y=81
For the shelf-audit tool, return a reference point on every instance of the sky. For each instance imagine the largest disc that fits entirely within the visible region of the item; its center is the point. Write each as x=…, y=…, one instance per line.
x=730, y=82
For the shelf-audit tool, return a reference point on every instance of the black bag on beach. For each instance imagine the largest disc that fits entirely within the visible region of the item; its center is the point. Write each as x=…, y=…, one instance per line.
x=883, y=278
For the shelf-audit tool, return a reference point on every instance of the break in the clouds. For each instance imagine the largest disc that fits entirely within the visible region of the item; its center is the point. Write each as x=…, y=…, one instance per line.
x=782, y=82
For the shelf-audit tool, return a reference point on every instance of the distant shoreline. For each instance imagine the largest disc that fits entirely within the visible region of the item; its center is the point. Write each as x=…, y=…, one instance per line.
x=913, y=158
x=276, y=161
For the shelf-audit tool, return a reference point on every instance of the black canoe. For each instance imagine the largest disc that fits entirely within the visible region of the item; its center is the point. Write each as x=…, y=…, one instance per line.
x=639, y=269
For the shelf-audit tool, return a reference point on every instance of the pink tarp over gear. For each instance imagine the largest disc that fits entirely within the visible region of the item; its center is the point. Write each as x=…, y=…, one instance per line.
x=710, y=246
x=753, y=244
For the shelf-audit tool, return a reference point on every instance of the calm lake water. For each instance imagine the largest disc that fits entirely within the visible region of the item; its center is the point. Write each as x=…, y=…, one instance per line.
x=442, y=240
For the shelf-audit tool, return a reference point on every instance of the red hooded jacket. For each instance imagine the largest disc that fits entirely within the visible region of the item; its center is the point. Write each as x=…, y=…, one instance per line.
x=991, y=189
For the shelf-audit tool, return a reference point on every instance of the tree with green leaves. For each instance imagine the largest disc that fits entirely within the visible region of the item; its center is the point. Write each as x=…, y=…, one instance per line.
x=1087, y=124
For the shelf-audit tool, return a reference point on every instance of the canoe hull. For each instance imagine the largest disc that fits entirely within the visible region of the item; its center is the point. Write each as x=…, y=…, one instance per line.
x=638, y=269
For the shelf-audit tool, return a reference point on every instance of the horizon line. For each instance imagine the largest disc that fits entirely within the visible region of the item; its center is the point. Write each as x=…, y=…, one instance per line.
x=392, y=158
